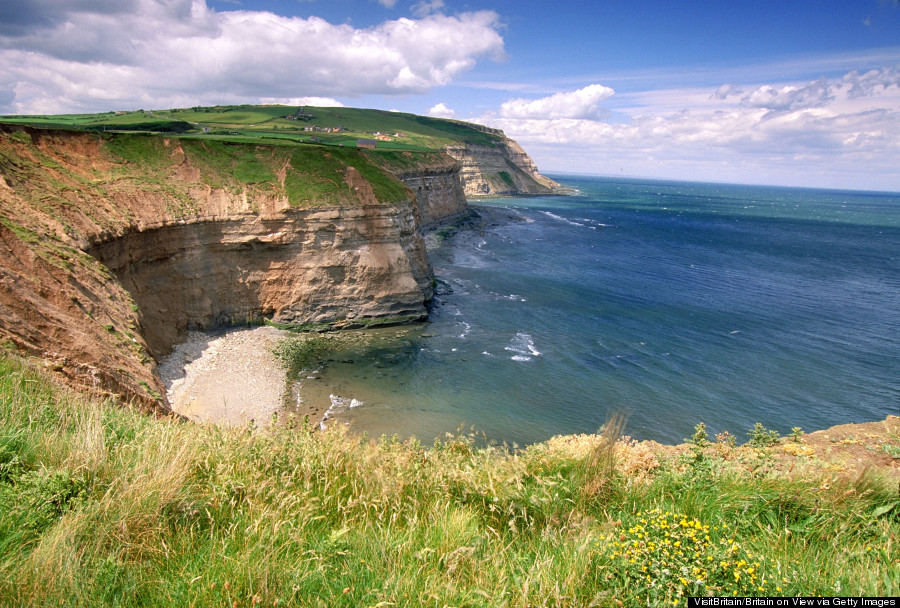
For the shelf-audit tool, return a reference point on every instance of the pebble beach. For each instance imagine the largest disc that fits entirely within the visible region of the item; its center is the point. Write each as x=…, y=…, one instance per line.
x=231, y=377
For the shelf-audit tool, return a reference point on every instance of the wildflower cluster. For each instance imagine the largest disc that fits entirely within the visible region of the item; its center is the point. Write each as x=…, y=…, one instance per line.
x=666, y=556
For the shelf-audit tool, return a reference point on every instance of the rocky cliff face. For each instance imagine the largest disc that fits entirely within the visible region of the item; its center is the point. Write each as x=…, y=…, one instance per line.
x=109, y=249
x=498, y=169
x=440, y=195
x=293, y=267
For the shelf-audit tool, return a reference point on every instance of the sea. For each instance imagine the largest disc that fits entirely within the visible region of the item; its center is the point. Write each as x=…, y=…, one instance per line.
x=672, y=303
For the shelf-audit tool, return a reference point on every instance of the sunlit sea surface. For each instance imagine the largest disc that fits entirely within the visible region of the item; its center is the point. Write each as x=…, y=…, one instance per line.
x=671, y=302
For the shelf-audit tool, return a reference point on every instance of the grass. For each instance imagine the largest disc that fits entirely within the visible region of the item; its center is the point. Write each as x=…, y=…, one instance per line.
x=255, y=123
x=311, y=175
x=102, y=506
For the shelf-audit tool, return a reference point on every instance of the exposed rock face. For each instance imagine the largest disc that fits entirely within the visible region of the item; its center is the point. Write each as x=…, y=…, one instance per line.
x=504, y=168
x=111, y=247
x=297, y=266
x=440, y=195
x=105, y=261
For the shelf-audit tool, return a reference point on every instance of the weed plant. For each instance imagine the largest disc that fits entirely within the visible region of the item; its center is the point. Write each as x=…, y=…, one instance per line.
x=103, y=506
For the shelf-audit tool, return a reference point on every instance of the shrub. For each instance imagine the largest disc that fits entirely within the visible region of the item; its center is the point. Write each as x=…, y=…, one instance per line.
x=761, y=437
x=665, y=556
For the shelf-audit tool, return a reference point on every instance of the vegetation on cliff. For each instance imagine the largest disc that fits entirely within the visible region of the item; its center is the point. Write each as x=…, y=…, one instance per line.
x=65, y=194
x=492, y=164
x=102, y=506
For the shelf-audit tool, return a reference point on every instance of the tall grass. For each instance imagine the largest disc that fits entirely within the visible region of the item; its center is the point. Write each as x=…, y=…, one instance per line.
x=102, y=506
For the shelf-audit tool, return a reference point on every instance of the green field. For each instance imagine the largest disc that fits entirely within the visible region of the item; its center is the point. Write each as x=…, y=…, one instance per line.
x=271, y=125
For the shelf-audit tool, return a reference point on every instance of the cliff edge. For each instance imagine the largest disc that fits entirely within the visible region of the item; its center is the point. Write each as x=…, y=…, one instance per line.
x=112, y=246
x=498, y=167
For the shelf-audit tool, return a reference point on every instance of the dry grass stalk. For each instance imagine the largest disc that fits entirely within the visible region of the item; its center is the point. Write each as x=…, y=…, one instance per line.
x=600, y=464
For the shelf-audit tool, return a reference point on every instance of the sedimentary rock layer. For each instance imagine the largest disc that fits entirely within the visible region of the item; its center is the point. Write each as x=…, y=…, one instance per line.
x=111, y=247
x=303, y=266
x=440, y=195
x=499, y=168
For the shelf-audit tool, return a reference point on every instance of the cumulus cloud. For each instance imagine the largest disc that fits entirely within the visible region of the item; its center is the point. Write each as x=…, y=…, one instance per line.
x=788, y=98
x=768, y=133
x=583, y=103
x=60, y=55
x=441, y=111
x=727, y=89
x=319, y=102
x=871, y=83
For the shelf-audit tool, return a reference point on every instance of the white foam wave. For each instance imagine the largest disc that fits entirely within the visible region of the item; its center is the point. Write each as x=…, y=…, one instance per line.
x=523, y=347
x=338, y=405
x=466, y=330
x=562, y=219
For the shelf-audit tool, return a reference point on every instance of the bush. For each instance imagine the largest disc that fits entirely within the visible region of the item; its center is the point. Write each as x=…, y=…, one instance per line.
x=665, y=556
x=761, y=437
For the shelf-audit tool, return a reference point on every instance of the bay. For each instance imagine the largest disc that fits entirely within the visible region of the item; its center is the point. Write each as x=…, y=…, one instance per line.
x=672, y=302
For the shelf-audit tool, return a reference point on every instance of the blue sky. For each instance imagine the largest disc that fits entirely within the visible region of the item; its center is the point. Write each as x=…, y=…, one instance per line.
x=789, y=92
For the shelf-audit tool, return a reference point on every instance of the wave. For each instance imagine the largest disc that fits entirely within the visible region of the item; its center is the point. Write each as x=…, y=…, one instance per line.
x=467, y=329
x=523, y=347
x=562, y=219
x=338, y=405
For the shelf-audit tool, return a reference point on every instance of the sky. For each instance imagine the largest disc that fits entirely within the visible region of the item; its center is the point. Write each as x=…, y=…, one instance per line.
x=782, y=92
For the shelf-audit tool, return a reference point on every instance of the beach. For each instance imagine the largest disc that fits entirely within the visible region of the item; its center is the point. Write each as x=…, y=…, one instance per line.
x=229, y=377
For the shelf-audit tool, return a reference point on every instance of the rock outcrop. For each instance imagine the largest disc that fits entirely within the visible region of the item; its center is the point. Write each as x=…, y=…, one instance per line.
x=440, y=195
x=111, y=247
x=498, y=168
x=293, y=267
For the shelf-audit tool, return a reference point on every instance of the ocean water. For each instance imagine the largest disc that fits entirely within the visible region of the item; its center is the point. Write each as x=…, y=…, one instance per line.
x=674, y=303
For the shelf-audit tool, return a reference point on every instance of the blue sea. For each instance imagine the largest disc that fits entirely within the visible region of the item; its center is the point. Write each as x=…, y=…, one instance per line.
x=671, y=302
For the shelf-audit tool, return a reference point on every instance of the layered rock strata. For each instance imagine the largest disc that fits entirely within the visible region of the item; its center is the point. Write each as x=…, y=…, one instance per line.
x=108, y=253
x=112, y=246
x=499, y=168
x=440, y=195
x=294, y=267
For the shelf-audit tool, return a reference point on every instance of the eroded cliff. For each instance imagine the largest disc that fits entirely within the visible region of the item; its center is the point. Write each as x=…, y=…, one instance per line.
x=111, y=246
x=500, y=167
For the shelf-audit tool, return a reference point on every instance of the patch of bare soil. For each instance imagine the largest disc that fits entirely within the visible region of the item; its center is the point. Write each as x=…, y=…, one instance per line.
x=845, y=450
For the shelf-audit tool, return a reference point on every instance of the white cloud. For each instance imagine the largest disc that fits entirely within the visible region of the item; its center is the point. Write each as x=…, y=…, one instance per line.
x=426, y=7
x=319, y=102
x=71, y=56
x=839, y=132
x=787, y=98
x=441, y=111
x=583, y=103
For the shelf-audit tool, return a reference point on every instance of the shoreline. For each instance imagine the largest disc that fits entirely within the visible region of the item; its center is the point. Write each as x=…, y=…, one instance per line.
x=233, y=377
x=226, y=377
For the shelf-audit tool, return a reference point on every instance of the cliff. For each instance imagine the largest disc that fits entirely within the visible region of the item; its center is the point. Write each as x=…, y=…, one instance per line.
x=500, y=167
x=439, y=191
x=110, y=247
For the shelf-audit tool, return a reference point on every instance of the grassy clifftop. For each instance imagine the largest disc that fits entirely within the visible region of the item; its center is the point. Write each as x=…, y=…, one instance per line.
x=48, y=166
x=101, y=506
x=280, y=124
